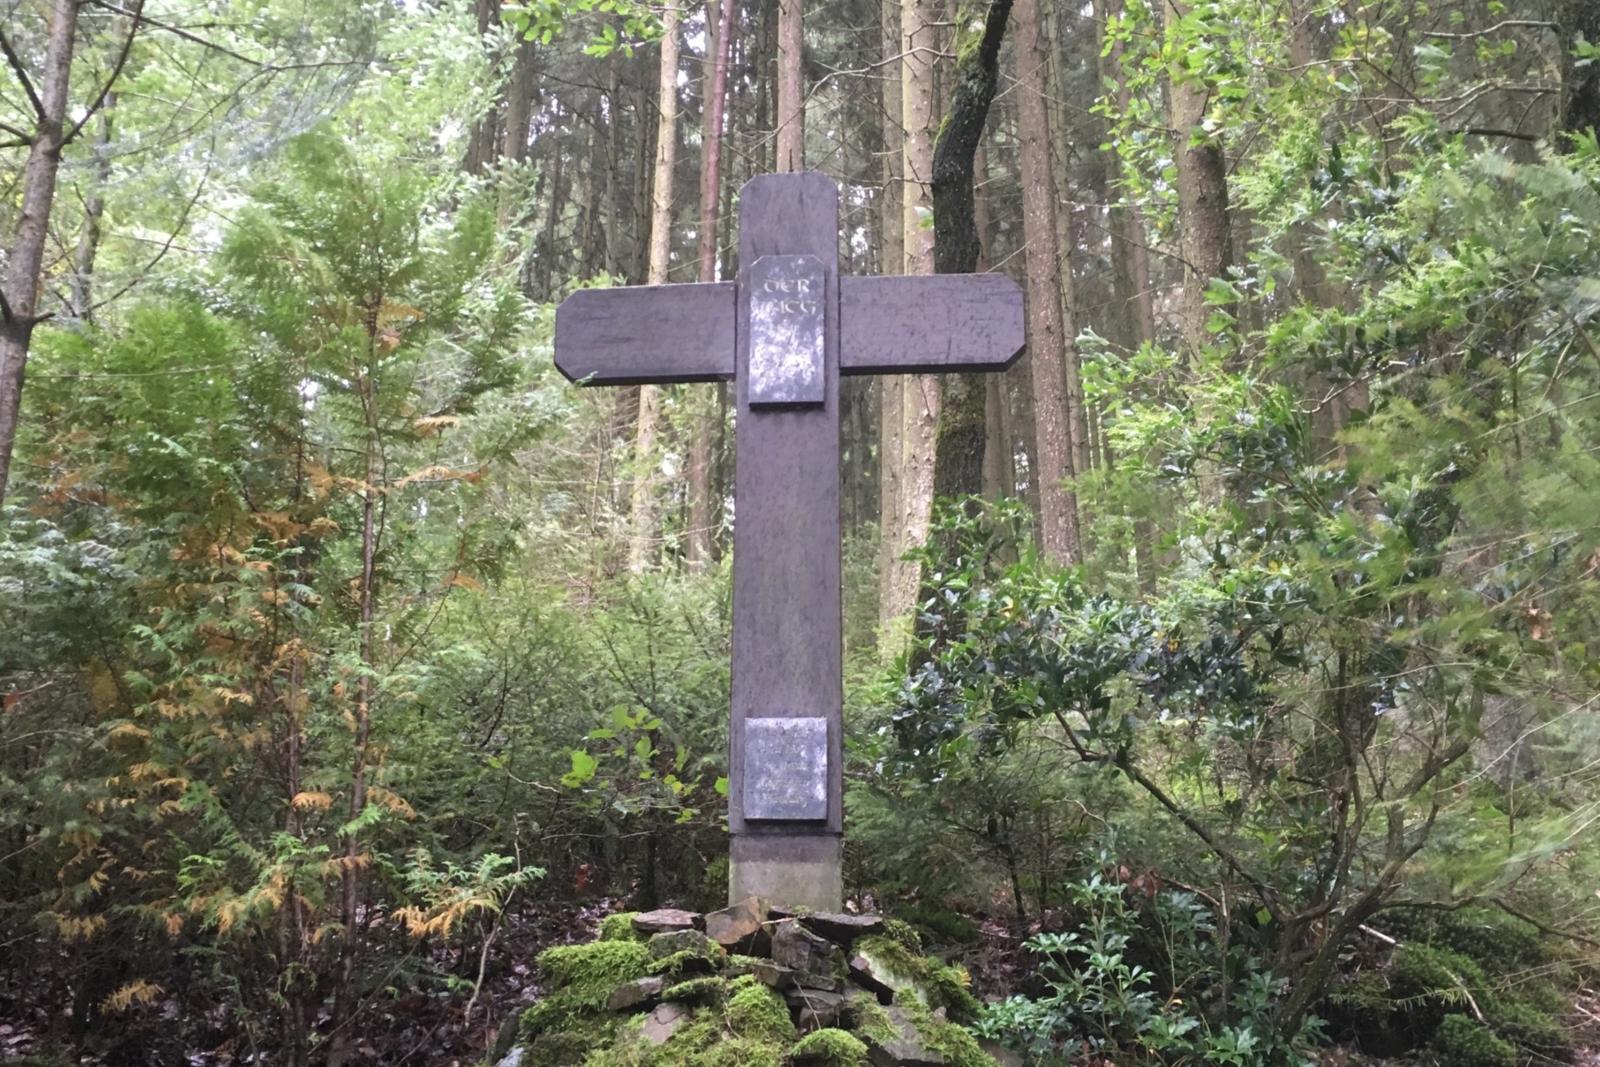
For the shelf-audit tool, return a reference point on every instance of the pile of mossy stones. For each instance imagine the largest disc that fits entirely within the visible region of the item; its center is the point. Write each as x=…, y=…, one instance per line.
x=749, y=986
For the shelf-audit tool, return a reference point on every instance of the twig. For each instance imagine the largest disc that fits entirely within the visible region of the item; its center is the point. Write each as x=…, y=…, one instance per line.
x=22, y=74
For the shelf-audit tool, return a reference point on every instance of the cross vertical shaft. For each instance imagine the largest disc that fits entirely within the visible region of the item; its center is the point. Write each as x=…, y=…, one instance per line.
x=787, y=638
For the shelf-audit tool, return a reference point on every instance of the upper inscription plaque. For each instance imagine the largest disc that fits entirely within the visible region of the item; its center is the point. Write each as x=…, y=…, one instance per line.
x=786, y=330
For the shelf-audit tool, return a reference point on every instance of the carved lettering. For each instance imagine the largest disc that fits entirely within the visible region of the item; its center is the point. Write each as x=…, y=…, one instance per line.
x=786, y=331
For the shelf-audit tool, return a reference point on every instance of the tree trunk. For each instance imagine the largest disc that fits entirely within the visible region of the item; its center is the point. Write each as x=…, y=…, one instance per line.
x=642, y=538
x=1203, y=219
x=891, y=222
x=958, y=465
x=350, y=871
x=702, y=398
x=520, y=91
x=94, y=209
x=791, y=128
x=485, y=132
x=1048, y=341
x=920, y=394
x=19, y=297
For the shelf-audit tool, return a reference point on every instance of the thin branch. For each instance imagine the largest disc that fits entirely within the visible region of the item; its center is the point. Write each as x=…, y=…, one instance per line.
x=165, y=247
x=22, y=75
x=116, y=71
x=177, y=31
x=1535, y=24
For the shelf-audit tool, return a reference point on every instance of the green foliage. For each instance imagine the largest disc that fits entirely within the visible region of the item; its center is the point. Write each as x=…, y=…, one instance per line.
x=1465, y=1041
x=1100, y=998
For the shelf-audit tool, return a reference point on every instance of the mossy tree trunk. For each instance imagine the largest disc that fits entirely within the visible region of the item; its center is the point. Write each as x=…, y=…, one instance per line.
x=958, y=462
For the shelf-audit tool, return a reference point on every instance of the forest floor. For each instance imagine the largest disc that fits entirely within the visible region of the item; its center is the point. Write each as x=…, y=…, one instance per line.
x=424, y=1022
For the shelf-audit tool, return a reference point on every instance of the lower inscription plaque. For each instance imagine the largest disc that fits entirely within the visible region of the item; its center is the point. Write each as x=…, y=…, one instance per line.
x=786, y=768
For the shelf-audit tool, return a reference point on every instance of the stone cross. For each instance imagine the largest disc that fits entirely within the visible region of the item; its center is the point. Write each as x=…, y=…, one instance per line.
x=784, y=332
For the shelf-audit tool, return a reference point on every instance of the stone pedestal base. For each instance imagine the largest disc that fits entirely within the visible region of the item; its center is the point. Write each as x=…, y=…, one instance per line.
x=788, y=870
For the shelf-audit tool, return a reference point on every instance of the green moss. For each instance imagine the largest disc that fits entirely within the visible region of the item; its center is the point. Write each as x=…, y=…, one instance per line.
x=939, y=985
x=1521, y=1021
x=619, y=927
x=739, y=966
x=1424, y=973
x=1462, y=1041
x=738, y=1052
x=944, y=924
x=709, y=990
x=950, y=1040
x=687, y=960
x=755, y=1011
x=573, y=1041
x=582, y=978
x=904, y=933
x=869, y=1018
x=830, y=1048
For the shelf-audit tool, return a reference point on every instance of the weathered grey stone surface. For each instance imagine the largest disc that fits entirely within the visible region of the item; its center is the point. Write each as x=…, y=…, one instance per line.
x=875, y=974
x=837, y=926
x=905, y=1049
x=772, y=975
x=663, y=945
x=801, y=869
x=786, y=768
x=815, y=1009
x=861, y=970
x=740, y=927
x=636, y=994
x=799, y=949
x=664, y=920
x=664, y=1022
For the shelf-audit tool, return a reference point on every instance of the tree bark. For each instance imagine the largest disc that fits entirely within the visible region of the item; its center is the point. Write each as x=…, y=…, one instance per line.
x=94, y=209
x=1203, y=218
x=891, y=222
x=919, y=394
x=19, y=296
x=791, y=128
x=1049, y=345
x=643, y=510
x=719, y=15
x=959, y=452
x=485, y=132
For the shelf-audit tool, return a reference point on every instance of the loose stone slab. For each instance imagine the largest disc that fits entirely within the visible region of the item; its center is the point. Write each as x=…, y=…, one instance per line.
x=786, y=324
x=799, y=949
x=739, y=927
x=665, y=920
x=786, y=769
x=663, y=1022
x=641, y=992
x=839, y=927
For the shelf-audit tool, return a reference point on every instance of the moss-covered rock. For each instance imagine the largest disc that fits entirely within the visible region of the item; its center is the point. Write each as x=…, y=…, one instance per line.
x=581, y=981
x=619, y=927
x=756, y=1012
x=709, y=990
x=935, y=984
x=683, y=952
x=829, y=1048
x=707, y=1014
x=1462, y=1041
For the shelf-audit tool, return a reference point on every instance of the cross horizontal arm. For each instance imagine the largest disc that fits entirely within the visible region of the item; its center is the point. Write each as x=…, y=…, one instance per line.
x=647, y=335
x=917, y=324
x=927, y=324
